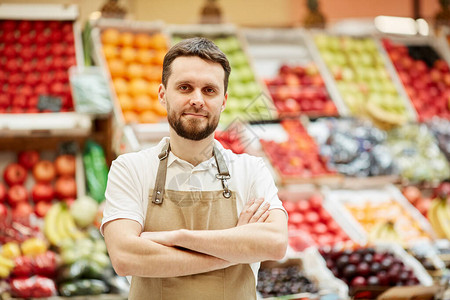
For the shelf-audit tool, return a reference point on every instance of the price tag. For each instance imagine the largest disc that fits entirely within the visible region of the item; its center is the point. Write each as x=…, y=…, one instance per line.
x=49, y=103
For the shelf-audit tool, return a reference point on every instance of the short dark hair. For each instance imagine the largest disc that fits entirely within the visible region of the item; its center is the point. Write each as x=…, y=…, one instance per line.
x=200, y=47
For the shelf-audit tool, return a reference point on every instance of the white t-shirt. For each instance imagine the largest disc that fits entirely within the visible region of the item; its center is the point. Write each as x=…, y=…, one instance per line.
x=132, y=175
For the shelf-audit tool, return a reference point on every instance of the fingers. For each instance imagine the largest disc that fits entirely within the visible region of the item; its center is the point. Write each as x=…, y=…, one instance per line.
x=259, y=213
x=253, y=212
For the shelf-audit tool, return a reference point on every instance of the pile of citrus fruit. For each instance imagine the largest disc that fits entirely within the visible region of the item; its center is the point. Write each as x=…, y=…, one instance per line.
x=135, y=62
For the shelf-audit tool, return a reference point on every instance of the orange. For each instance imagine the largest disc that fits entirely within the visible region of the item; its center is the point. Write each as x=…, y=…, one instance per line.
x=138, y=86
x=125, y=102
x=128, y=54
x=142, y=103
x=145, y=56
x=120, y=85
x=159, y=108
x=159, y=41
x=153, y=73
x=110, y=51
x=159, y=57
x=142, y=40
x=110, y=36
x=134, y=70
x=152, y=89
x=116, y=67
x=126, y=39
x=148, y=116
x=130, y=116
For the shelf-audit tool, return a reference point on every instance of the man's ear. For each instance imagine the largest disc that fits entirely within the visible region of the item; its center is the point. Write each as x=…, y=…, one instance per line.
x=225, y=98
x=162, y=94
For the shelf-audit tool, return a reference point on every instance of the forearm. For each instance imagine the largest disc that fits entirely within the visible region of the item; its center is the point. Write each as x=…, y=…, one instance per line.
x=242, y=244
x=137, y=256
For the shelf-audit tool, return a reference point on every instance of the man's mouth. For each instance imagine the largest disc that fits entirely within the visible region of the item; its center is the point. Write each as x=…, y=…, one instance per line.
x=194, y=114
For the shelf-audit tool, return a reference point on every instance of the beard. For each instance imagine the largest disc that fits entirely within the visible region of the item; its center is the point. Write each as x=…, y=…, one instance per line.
x=193, y=128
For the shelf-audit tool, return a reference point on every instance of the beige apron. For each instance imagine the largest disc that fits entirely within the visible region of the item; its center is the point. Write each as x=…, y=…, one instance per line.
x=194, y=210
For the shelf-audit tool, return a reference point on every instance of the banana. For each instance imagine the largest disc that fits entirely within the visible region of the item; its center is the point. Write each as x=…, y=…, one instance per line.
x=69, y=225
x=375, y=233
x=444, y=218
x=51, y=224
x=434, y=219
x=61, y=224
x=385, y=231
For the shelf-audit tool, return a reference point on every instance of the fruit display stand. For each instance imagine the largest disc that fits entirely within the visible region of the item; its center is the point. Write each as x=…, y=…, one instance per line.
x=293, y=154
x=369, y=271
x=356, y=149
x=131, y=54
x=29, y=85
x=378, y=215
x=423, y=68
x=361, y=78
x=248, y=100
x=282, y=59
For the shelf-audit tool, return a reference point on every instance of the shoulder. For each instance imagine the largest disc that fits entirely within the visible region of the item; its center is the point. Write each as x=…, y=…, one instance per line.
x=138, y=160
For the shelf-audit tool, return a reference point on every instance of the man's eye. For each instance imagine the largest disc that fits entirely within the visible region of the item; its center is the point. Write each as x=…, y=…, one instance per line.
x=209, y=90
x=184, y=87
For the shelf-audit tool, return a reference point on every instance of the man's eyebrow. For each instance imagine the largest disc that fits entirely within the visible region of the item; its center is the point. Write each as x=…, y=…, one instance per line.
x=189, y=82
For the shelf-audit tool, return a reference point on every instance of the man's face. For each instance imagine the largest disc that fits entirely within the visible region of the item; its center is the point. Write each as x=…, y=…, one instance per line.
x=194, y=97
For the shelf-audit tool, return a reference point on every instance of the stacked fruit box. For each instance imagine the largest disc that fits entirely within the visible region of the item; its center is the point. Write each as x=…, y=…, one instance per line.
x=132, y=53
x=293, y=80
x=361, y=79
x=248, y=99
x=39, y=44
x=380, y=214
x=423, y=71
x=292, y=152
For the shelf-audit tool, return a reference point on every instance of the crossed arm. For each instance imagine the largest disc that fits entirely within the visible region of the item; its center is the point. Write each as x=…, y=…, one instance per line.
x=259, y=235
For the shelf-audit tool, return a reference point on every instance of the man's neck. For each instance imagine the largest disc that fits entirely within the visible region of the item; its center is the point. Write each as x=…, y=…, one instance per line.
x=194, y=152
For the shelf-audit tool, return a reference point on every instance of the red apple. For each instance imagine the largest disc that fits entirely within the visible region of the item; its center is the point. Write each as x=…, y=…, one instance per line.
x=17, y=194
x=42, y=192
x=28, y=158
x=22, y=211
x=41, y=208
x=5, y=100
x=65, y=164
x=14, y=174
x=44, y=171
x=65, y=187
x=3, y=211
x=3, y=192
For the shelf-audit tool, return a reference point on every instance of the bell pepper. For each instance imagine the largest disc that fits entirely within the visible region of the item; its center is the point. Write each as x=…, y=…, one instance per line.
x=33, y=246
x=23, y=266
x=10, y=250
x=45, y=264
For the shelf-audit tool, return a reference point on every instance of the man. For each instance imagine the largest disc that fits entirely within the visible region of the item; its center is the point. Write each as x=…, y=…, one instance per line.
x=186, y=218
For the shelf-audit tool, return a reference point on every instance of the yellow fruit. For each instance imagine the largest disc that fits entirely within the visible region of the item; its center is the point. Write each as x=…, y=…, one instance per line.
x=110, y=36
x=128, y=54
x=125, y=102
x=120, y=85
x=10, y=250
x=110, y=52
x=4, y=272
x=159, y=57
x=116, y=67
x=135, y=71
x=142, y=40
x=33, y=246
x=159, y=109
x=6, y=262
x=126, y=39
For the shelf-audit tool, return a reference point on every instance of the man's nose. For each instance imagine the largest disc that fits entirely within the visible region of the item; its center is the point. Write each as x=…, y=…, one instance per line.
x=197, y=98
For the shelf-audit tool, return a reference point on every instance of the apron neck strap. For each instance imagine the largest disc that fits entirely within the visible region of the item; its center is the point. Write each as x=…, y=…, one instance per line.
x=158, y=192
x=223, y=174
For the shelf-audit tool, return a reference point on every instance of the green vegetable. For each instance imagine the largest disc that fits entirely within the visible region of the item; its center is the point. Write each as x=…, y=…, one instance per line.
x=83, y=287
x=96, y=170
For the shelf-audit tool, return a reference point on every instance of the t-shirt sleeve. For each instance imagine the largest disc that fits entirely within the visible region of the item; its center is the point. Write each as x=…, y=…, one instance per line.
x=123, y=196
x=264, y=186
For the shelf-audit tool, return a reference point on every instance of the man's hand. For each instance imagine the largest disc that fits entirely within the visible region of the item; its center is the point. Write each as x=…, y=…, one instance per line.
x=253, y=212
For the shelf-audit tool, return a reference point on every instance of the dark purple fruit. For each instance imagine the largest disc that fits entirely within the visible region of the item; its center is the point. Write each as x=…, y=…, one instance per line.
x=383, y=278
x=373, y=280
x=358, y=281
x=363, y=268
x=375, y=268
x=368, y=258
x=349, y=271
x=342, y=262
x=354, y=258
